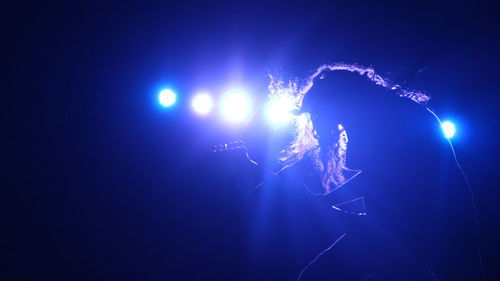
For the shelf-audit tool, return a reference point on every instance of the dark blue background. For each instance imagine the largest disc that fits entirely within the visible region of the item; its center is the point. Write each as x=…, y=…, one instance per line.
x=100, y=183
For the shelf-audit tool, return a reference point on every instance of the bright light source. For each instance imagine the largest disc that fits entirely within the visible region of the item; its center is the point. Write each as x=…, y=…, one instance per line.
x=235, y=106
x=448, y=129
x=202, y=103
x=280, y=109
x=167, y=97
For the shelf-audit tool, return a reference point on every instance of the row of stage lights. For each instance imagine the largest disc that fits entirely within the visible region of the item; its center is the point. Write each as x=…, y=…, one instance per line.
x=236, y=106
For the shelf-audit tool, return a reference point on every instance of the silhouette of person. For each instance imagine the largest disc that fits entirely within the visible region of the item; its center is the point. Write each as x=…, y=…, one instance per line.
x=417, y=225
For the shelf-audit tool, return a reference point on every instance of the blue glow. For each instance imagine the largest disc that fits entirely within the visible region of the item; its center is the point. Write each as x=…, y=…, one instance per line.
x=202, y=103
x=280, y=109
x=236, y=106
x=167, y=98
x=449, y=129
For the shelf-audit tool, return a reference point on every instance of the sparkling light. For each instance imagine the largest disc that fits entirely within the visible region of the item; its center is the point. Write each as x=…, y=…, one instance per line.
x=167, y=97
x=202, y=103
x=280, y=109
x=449, y=129
x=235, y=106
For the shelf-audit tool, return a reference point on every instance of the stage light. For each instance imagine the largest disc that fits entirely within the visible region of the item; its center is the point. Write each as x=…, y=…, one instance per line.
x=280, y=109
x=202, y=103
x=235, y=106
x=167, y=97
x=449, y=129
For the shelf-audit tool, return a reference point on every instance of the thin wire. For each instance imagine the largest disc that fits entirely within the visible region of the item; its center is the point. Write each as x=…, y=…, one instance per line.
x=480, y=256
x=469, y=188
x=320, y=254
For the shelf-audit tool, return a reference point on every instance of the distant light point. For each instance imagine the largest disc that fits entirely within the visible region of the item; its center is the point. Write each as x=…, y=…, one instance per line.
x=449, y=129
x=202, y=103
x=167, y=98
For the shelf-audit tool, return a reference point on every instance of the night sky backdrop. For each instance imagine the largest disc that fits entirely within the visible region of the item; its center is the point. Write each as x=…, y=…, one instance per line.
x=101, y=183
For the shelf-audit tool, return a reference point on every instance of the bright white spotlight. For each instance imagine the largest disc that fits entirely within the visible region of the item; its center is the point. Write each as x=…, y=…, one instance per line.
x=167, y=97
x=448, y=129
x=202, y=103
x=235, y=106
x=279, y=110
